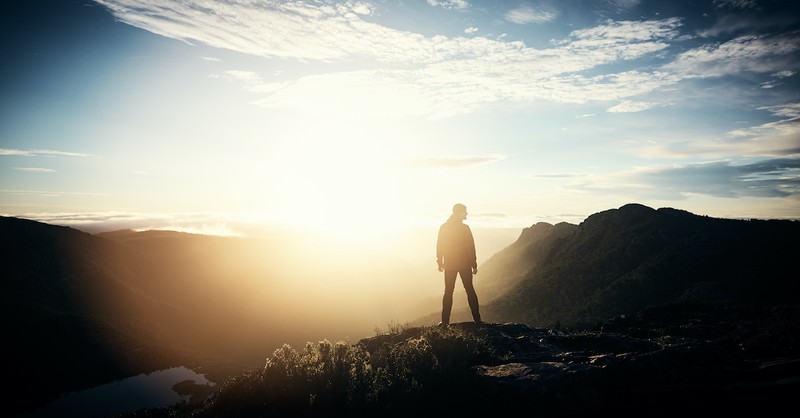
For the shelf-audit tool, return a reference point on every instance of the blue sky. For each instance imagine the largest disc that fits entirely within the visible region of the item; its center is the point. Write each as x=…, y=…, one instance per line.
x=355, y=117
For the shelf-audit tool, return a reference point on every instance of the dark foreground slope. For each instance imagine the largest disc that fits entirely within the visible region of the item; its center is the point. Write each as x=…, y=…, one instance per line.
x=63, y=296
x=696, y=359
x=623, y=260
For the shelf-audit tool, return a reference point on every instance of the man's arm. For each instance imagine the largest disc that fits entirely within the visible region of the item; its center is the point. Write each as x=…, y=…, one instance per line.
x=440, y=251
x=472, y=257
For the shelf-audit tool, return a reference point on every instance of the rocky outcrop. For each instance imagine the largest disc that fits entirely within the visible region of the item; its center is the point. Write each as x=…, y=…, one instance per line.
x=662, y=361
x=668, y=361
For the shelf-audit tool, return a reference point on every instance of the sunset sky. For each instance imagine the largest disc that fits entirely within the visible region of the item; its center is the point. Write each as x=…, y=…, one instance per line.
x=354, y=117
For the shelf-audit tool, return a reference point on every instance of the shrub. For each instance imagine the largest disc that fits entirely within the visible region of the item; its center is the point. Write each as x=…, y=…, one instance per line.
x=409, y=367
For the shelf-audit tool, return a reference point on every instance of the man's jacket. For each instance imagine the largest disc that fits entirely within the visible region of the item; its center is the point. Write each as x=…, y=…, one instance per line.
x=455, y=247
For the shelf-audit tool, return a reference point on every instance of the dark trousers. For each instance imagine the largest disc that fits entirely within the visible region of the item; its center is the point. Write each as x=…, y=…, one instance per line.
x=450, y=286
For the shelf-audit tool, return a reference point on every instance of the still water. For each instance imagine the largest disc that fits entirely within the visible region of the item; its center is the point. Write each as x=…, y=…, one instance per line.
x=150, y=390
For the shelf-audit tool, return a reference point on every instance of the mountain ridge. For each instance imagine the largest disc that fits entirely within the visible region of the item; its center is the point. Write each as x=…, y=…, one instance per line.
x=650, y=256
x=100, y=298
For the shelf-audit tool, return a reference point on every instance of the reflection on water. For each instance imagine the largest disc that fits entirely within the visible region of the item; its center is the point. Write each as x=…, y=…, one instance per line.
x=143, y=391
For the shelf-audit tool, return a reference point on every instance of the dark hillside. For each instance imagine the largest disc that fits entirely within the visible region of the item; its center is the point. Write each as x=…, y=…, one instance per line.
x=69, y=301
x=506, y=268
x=80, y=310
x=623, y=260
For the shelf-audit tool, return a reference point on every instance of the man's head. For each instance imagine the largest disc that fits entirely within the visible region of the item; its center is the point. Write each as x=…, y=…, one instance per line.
x=460, y=211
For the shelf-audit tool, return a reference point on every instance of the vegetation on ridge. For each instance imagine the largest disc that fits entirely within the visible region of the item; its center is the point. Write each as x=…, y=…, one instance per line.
x=393, y=373
x=708, y=359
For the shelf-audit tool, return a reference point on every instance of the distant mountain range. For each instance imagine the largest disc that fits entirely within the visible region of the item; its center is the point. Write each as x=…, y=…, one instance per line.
x=80, y=309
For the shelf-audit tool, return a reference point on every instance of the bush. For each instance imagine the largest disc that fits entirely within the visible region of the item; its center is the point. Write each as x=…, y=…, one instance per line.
x=405, y=368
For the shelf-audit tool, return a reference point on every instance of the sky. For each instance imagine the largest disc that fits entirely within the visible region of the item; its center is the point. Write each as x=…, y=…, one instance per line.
x=361, y=117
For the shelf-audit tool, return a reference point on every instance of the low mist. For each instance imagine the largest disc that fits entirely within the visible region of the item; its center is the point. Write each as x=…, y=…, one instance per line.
x=242, y=298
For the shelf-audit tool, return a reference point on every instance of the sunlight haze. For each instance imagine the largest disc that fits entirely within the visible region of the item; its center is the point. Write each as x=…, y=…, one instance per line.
x=358, y=119
x=199, y=182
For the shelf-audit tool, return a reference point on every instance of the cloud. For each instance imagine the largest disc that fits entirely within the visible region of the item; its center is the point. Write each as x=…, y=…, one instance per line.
x=41, y=152
x=736, y=4
x=461, y=161
x=791, y=111
x=752, y=53
x=779, y=138
x=628, y=106
x=772, y=178
x=773, y=139
x=221, y=224
x=526, y=14
x=555, y=175
x=362, y=8
x=5, y=151
x=365, y=94
x=46, y=193
x=35, y=169
x=307, y=31
x=449, y=4
x=298, y=30
x=465, y=73
x=613, y=33
x=470, y=30
x=747, y=23
x=438, y=76
x=624, y=4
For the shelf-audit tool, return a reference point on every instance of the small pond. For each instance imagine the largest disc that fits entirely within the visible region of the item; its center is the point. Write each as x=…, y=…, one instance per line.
x=147, y=390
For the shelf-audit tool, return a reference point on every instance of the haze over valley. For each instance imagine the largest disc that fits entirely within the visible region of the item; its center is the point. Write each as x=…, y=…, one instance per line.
x=124, y=302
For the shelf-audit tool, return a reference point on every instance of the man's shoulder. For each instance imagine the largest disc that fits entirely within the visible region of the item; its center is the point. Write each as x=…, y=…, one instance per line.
x=453, y=224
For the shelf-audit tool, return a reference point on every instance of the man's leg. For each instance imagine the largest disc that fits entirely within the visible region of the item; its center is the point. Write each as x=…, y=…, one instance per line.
x=447, y=299
x=472, y=297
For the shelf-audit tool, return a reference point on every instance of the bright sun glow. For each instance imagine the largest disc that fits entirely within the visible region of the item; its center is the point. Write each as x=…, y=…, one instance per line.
x=338, y=181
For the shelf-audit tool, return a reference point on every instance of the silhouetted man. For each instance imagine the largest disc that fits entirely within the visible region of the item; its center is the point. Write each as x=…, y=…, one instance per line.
x=455, y=255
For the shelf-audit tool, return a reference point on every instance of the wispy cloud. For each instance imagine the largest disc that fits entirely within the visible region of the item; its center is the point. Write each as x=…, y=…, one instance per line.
x=555, y=175
x=743, y=23
x=625, y=4
x=221, y=224
x=736, y=4
x=458, y=161
x=47, y=193
x=299, y=30
x=790, y=111
x=439, y=76
x=527, y=14
x=755, y=53
x=614, y=33
x=252, y=81
x=449, y=4
x=461, y=74
x=772, y=139
x=628, y=106
x=767, y=178
x=35, y=169
x=41, y=152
